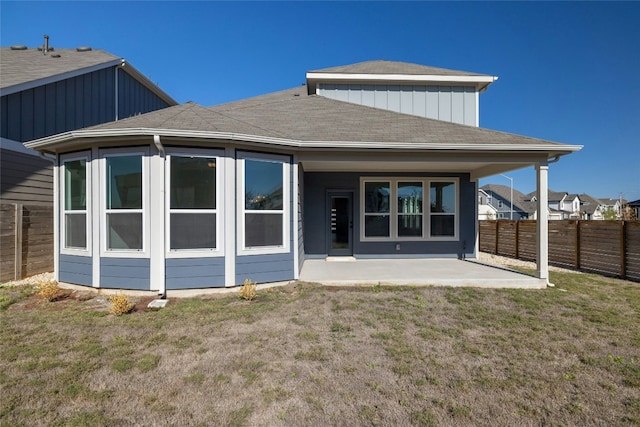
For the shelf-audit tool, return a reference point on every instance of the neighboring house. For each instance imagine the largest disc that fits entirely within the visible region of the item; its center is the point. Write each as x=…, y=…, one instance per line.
x=561, y=205
x=612, y=208
x=498, y=200
x=195, y=197
x=485, y=209
x=43, y=92
x=590, y=207
x=46, y=91
x=635, y=206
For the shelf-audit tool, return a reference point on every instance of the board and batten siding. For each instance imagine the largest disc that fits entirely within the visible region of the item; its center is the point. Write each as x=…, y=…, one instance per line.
x=190, y=273
x=75, y=269
x=74, y=103
x=457, y=104
x=125, y=273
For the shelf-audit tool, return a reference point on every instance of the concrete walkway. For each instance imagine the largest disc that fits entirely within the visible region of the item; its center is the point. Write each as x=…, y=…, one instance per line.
x=418, y=272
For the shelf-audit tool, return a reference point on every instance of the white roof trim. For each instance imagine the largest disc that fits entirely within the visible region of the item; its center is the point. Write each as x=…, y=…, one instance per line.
x=44, y=143
x=401, y=77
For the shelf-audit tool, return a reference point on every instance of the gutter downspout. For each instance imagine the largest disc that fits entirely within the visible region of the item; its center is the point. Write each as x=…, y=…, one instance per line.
x=162, y=290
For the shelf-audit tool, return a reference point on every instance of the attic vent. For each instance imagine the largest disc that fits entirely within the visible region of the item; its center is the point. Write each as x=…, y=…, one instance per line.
x=18, y=47
x=84, y=49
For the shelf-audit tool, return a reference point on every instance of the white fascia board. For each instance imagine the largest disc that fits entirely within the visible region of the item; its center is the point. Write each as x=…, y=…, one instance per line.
x=58, y=77
x=422, y=78
x=65, y=138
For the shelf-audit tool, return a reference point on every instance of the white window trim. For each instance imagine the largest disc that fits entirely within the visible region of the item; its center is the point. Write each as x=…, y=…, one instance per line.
x=124, y=253
x=219, y=210
x=394, y=214
x=286, y=204
x=84, y=155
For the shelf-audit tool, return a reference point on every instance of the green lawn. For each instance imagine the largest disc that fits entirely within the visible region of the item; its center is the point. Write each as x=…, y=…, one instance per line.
x=310, y=355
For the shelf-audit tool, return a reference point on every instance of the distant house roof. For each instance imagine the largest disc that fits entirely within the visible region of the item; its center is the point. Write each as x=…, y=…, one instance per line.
x=291, y=118
x=552, y=196
x=394, y=72
x=588, y=204
x=24, y=68
x=635, y=203
x=520, y=201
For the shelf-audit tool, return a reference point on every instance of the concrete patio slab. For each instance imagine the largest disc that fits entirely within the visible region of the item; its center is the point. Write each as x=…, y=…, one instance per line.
x=417, y=272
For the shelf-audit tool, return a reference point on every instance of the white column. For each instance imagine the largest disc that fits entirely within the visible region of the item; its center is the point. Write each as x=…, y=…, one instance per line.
x=294, y=214
x=229, y=217
x=96, y=215
x=156, y=217
x=56, y=218
x=542, y=224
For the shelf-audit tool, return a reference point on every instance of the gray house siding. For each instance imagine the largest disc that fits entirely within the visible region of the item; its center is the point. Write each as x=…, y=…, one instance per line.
x=316, y=185
x=125, y=273
x=265, y=268
x=187, y=273
x=455, y=104
x=25, y=179
x=78, y=102
x=75, y=269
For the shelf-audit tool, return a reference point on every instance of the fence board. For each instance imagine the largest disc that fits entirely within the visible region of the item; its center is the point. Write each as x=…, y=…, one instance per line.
x=605, y=247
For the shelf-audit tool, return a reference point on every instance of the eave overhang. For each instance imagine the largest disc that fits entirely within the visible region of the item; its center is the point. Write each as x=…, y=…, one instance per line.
x=480, y=82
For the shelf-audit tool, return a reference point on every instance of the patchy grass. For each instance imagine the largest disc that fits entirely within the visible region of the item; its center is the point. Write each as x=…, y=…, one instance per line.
x=309, y=355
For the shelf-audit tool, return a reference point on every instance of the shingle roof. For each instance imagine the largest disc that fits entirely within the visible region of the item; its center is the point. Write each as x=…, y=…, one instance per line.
x=22, y=66
x=393, y=67
x=588, y=204
x=520, y=201
x=293, y=115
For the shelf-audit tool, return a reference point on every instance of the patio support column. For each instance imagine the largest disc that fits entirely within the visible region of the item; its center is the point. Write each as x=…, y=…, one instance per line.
x=542, y=223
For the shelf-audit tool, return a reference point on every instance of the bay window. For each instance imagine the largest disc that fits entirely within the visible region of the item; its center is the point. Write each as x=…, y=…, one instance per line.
x=264, y=204
x=193, y=202
x=74, y=203
x=124, y=203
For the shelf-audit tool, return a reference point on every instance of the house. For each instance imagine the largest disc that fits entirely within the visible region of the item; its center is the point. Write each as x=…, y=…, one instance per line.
x=46, y=91
x=561, y=205
x=372, y=160
x=498, y=199
x=612, y=208
x=634, y=206
x=590, y=207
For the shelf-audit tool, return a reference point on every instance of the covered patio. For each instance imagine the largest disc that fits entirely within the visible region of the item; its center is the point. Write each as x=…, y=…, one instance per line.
x=339, y=271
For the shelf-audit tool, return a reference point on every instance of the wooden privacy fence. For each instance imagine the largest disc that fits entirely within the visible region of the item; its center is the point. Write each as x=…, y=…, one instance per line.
x=26, y=240
x=606, y=247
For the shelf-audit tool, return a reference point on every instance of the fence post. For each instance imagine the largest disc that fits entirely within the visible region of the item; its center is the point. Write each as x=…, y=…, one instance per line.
x=577, y=245
x=17, y=258
x=517, y=239
x=623, y=258
x=495, y=246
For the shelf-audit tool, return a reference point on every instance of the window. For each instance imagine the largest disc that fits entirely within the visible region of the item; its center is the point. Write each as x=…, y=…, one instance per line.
x=377, y=209
x=264, y=200
x=75, y=214
x=192, y=202
x=442, y=200
x=124, y=203
x=394, y=208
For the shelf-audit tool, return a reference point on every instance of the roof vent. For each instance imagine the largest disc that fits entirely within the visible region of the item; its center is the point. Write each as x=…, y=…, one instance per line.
x=19, y=47
x=84, y=49
x=57, y=55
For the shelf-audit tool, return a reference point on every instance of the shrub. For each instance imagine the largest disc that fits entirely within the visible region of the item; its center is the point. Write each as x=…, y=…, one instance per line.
x=248, y=290
x=120, y=304
x=48, y=289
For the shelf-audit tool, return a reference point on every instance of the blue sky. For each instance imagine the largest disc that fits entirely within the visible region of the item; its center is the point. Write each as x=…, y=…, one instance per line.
x=568, y=71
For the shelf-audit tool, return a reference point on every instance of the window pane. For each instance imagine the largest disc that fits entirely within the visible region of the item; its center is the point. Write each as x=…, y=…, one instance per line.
x=376, y=197
x=75, y=228
x=262, y=230
x=409, y=197
x=409, y=225
x=193, y=231
x=124, y=231
x=376, y=226
x=75, y=185
x=124, y=182
x=263, y=185
x=193, y=183
x=443, y=197
x=442, y=225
